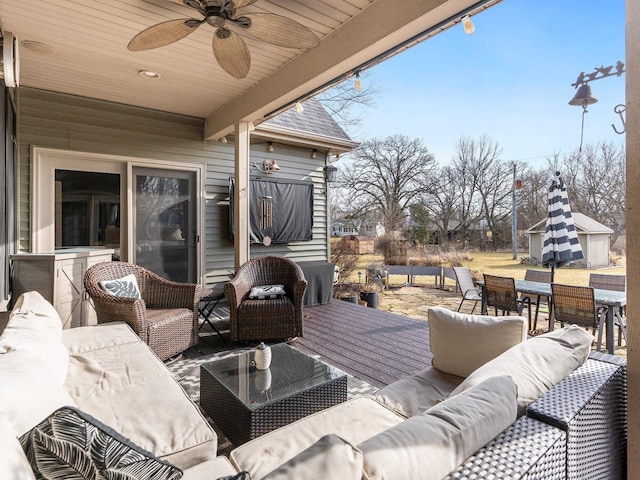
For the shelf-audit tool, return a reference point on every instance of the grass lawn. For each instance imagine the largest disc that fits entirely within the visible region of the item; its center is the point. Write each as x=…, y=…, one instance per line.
x=503, y=264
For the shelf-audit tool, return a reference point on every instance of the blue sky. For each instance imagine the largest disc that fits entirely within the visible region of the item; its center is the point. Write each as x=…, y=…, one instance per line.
x=511, y=80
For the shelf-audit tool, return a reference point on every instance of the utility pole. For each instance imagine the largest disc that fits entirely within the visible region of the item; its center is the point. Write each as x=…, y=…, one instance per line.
x=514, y=224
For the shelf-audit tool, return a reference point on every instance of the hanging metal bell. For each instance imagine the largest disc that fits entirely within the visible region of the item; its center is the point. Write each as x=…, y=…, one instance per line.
x=583, y=97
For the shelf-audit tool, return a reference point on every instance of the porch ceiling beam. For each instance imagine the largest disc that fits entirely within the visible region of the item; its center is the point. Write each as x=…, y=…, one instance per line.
x=377, y=29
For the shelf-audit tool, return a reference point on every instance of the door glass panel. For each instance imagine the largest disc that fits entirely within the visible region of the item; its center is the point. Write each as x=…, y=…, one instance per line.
x=164, y=217
x=87, y=209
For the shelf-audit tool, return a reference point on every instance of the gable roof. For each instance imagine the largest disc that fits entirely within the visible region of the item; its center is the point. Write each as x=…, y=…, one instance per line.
x=314, y=126
x=583, y=224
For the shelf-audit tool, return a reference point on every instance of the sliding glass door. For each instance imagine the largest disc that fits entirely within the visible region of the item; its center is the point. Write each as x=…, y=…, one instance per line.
x=164, y=220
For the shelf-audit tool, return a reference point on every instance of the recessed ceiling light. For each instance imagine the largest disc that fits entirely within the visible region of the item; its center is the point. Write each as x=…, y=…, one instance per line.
x=37, y=47
x=149, y=74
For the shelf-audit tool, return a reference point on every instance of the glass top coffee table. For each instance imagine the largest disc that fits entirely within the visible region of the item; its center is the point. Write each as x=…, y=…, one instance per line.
x=246, y=403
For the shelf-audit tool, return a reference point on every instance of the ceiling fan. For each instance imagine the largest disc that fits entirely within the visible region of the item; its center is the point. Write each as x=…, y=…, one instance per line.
x=229, y=48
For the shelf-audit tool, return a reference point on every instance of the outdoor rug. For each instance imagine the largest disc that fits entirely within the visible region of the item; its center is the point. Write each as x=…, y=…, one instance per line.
x=186, y=369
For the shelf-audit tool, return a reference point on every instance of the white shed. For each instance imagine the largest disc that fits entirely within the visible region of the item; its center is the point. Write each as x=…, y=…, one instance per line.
x=594, y=237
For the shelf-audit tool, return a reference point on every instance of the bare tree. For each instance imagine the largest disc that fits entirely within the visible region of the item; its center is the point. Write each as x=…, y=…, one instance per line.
x=595, y=180
x=487, y=185
x=443, y=203
x=387, y=176
x=348, y=105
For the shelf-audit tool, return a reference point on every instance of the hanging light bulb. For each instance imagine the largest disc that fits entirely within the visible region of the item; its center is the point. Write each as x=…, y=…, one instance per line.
x=299, y=107
x=358, y=83
x=468, y=25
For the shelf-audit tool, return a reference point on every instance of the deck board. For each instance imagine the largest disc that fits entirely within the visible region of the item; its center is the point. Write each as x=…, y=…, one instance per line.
x=374, y=345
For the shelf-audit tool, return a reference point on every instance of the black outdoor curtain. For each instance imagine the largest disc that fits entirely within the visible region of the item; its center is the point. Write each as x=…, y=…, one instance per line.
x=561, y=245
x=280, y=210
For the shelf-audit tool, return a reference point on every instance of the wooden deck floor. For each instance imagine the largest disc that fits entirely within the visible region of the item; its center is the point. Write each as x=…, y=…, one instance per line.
x=373, y=345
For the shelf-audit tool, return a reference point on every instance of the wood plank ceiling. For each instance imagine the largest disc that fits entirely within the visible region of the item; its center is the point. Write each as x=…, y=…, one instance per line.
x=88, y=52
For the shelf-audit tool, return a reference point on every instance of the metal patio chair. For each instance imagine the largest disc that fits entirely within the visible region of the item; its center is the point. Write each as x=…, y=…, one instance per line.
x=467, y=286
x=617, y=283
x=501, y=294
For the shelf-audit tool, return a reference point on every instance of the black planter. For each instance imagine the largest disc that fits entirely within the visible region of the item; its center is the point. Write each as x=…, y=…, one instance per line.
x=372, y=299
x=352, y=299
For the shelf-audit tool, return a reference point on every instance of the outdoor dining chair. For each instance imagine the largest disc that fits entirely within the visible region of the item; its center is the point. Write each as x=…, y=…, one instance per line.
x=577, y=305
x=537, y=300
x=467, y=287
x=611, y=282
x=501, y=295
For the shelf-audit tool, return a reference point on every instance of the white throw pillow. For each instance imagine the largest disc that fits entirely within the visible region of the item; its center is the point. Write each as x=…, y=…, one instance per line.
x=126, y=286
x=432, y=444
x=537, y=364
x=264, y=292
x=461, y=343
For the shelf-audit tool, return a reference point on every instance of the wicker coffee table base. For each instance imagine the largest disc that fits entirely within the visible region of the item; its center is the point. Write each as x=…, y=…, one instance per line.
x=241, y=424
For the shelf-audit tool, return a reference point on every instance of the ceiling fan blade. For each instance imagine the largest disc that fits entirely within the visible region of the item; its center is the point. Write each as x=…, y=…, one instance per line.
x=163, y=34
x=231, y=53
x=242, y=3
x=279, y=30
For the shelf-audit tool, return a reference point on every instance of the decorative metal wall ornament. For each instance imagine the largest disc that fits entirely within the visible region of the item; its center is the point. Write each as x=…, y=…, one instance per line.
x=584, y=97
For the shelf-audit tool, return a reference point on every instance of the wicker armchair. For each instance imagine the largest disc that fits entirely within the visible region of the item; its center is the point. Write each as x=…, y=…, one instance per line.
x=166, y=315
x=269, y=319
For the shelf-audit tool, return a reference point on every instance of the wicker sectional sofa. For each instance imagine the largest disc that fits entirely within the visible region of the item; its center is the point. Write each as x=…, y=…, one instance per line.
x=506, y=408
x=493, y=405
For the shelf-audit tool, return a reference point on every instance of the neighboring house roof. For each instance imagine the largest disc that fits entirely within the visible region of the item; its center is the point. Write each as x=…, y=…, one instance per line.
x=314, y=119
x=313, y=127
x=583, y=224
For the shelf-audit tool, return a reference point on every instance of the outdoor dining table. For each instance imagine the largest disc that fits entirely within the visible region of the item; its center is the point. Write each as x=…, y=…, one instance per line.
x=611, y=299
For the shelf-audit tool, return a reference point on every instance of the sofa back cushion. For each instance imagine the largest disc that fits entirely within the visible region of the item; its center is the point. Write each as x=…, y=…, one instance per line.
x=537, y=364
x=461, y=343
x=432, y=444
x=33, y=363
x=14, y=464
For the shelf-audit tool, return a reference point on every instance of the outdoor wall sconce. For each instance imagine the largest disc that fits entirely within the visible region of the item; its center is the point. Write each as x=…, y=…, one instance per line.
x=268, y=166
x=584, y=96
x=330, y=173
x=313, y=153
x=270, y=148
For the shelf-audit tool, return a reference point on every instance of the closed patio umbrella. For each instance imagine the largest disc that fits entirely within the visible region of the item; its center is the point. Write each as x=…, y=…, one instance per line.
x=561, y=245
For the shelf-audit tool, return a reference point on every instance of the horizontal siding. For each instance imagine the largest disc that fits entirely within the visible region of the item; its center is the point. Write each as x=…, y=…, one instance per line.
x=53, y=120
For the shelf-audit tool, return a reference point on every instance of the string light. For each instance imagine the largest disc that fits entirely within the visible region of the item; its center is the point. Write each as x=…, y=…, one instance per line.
x=468, y=25
x=299, y=107
x=358, y=83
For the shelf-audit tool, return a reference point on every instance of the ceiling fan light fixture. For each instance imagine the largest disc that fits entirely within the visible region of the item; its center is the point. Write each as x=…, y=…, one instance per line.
x=149, y=74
